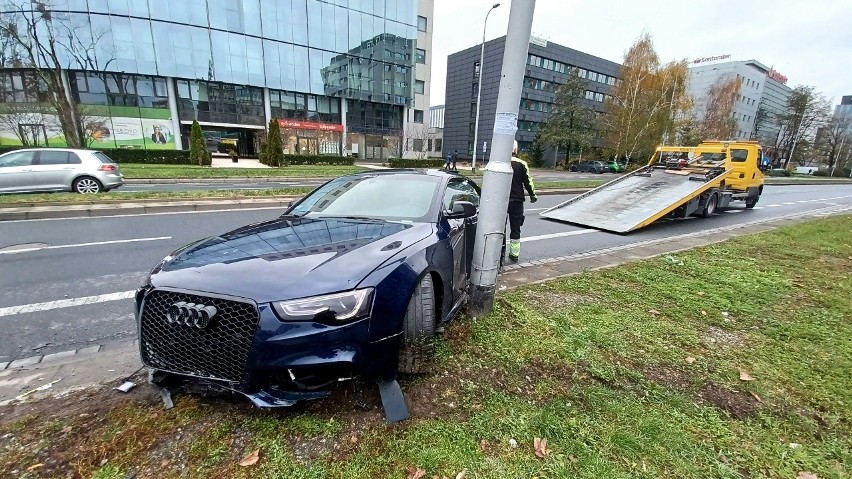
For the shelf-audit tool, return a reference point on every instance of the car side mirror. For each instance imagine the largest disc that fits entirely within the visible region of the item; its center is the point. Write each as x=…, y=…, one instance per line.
x=462, y=209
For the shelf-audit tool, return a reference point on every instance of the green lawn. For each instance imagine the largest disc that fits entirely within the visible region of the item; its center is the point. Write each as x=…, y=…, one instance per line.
x=113, y=197
x=133, y=170
x=632, y=372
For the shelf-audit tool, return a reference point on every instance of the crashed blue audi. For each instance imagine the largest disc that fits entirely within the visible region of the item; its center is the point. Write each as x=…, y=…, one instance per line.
x=351, y=281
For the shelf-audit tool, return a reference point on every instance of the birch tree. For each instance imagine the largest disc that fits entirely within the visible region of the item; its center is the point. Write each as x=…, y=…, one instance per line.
x=642, y=105
x=807, y=110
x=718, y=122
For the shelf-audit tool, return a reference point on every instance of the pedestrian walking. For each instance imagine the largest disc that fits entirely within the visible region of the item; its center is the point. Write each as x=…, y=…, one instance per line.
x=455, y=158
x=448, y=160
x=521, y=180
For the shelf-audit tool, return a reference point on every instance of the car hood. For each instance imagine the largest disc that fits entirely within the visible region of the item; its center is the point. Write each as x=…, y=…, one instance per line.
x=288, y=257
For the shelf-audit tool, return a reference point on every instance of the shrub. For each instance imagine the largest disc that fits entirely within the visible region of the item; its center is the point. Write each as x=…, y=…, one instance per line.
x=414, y=163
x=197, y=148
x=778, y=172
x=317, y=160
x=820, y=173
x=127, y=155
x=274, y=149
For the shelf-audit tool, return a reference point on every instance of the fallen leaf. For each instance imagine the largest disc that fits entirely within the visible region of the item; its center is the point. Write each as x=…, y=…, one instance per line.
x=34, y=467
x=690, y=360
x=415, y=473
x=745, y=376
x=483, y=444
x=756, y=397
x=806, y=475
x=572, y=459
x=653, y=311
x=462, y=474
x=353, y=439
x=164, y=463
x=66, y=429
x=794, y=445
x=513, y=443
x=540, y=445
x=251, y=459
x=725, y=314
x=703, y=313
x=700, y=293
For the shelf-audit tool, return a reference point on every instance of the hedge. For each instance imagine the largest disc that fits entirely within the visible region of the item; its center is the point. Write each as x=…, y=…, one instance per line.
x=412, y=163
x=318, y=160
x=126, y=155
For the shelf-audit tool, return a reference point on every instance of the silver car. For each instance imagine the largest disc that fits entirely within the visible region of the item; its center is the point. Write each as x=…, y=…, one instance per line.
x=58, y=169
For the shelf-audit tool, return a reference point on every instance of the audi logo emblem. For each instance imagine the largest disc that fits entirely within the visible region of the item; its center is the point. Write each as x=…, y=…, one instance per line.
x=190, y=314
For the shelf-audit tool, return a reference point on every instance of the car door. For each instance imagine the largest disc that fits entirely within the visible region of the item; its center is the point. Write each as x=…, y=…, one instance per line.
x=16, y=171
x=461, y=231
x=52, y=169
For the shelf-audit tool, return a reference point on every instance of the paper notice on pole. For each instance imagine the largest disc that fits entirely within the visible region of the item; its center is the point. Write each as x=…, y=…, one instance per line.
x=505, y=123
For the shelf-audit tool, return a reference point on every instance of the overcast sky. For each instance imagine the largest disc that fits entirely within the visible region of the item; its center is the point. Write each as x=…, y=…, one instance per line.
x=810, y=42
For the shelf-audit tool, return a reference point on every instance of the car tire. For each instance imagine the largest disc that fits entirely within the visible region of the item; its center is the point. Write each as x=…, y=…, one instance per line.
x=418, y=329
x=572, y=168
x=710, y=207
x=751, y=201
x=87, y=185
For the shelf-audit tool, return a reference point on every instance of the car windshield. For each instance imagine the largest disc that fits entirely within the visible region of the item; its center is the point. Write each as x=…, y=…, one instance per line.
x=381, y=196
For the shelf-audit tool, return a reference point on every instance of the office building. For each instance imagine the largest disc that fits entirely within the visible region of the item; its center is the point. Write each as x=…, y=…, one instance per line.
x=548, y=66
x=340, y=77
x=762, y=97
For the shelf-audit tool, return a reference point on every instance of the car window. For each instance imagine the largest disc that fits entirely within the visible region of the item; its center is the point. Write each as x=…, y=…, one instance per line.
x=739, y=156
x=17, y=158
x=102, y=157
x=393, y=197
x=460, y=190
x=53, y=158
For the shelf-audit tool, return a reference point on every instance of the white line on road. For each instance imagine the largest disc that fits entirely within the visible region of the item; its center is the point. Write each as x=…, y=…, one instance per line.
x=773, y=206
x=557, y=235
x=534, y=209
x=97, y=243
x=65, y=303
x=226, y=210
x=788, y=203
x=733, y=211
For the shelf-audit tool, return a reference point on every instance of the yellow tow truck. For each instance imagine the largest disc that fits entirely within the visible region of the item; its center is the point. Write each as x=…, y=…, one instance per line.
x=677, y=181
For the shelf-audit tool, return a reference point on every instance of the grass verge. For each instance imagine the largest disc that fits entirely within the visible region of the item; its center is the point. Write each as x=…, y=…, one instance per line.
x=113, y=197
x=726, y=361
x=132, y=170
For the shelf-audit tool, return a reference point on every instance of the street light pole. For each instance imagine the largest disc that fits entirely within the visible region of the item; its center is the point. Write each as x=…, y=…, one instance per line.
x=479, y=87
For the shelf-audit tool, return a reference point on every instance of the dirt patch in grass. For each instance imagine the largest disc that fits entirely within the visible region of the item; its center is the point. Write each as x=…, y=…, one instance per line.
x=738, y=404
x=719, y=337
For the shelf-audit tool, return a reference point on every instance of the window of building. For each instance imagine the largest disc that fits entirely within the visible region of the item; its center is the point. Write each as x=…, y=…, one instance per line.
x=417, y=144
x=119, y=89
x=590, y=95
x=420, y=56
x=475, y=69
x=22, y=87
x=418, y=118
x=581, y=73
x=429, y=145
x=439, y=144
x=593, y=76
x=421, y=23
x=419, y=86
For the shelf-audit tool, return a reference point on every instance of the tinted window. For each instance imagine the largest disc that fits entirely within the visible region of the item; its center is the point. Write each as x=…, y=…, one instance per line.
x=17, y=158
x=102, y=157
x=739, y=156
x=53, y=158
x=406, y=197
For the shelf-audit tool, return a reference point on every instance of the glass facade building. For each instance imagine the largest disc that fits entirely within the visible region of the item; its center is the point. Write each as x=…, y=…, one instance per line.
x=235, y=64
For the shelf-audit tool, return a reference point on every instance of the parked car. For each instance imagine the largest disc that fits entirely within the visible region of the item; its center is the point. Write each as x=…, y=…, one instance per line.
x=354, y=279
x=614, y=166
x=58, y=169
x=589, y=166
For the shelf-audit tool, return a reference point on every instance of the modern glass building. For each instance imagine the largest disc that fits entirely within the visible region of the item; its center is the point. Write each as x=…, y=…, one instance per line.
x=340, y=76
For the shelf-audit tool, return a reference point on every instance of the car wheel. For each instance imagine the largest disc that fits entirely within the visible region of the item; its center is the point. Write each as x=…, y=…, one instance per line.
x=418, y=329
x=87, y=185
x=710, y=207
x=751, y=201
x=572, y=168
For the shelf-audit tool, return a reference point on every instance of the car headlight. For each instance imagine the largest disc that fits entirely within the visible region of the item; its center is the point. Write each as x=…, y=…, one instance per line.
x=329, y=308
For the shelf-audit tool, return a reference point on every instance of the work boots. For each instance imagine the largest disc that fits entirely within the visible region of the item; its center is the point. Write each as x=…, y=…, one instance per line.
x=514, y=249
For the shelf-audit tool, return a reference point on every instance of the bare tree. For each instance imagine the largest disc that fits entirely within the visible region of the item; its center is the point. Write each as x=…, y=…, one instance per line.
x=416, y=139
x=718, y=122
x=28, y=122
x=50, y=42
x=807, y=110
x=836, y=138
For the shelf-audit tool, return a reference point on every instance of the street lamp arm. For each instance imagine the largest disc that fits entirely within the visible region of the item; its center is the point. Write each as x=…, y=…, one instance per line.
x=479, y=88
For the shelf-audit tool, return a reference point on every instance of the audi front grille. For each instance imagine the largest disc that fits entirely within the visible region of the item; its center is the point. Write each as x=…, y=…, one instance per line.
x=197, y=335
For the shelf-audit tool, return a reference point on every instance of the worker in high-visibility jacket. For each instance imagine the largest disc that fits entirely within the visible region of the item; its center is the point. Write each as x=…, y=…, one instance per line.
x=521, y=180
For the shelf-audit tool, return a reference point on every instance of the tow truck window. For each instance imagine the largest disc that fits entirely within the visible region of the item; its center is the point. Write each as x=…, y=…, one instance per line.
x=739, y=156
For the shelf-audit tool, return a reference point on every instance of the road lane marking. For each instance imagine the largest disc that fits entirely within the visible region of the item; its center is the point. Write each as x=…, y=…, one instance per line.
x=65, y=303
x=733, y=211
x=557, y=235
x=225, y=210
x=534, y=209
x=97, y=243
x=788, y=203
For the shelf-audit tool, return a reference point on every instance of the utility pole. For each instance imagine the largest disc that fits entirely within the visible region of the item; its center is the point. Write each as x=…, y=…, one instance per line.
x=497, y=179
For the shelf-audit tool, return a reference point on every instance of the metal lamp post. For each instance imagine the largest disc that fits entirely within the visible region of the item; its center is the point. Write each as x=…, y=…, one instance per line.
x=479, y=87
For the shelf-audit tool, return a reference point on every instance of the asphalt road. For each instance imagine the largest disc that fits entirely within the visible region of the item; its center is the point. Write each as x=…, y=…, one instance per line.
x=76, y=276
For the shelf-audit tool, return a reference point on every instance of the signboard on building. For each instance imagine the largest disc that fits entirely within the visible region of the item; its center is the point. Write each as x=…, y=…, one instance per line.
x=773, y=74
x=309, y=125
x=538, y=41
x=711, y=59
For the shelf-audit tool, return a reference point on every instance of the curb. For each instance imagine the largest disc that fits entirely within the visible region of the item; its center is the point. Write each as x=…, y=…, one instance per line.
x=31, y=378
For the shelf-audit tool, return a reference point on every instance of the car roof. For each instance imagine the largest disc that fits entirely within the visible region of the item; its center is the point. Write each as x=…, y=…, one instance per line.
x=407, y=171
x=75, y=150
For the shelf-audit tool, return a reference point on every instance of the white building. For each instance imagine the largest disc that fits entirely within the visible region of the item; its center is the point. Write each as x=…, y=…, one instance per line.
x=761, y=89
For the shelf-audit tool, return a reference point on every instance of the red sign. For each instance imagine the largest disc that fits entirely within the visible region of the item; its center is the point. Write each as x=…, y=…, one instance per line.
x=309, y=125
x=773, y=74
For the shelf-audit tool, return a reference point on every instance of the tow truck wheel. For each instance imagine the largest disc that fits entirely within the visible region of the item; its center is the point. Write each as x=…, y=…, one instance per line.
x=418, y=338
x=751, y=201
x=710, y=207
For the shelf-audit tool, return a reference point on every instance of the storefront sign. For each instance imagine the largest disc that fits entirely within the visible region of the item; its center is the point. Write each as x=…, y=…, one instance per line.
x=309, y=125
x=773, y=74
x=711, y=59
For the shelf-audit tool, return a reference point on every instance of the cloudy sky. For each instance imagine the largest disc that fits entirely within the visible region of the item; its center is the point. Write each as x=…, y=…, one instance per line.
x=808, y=42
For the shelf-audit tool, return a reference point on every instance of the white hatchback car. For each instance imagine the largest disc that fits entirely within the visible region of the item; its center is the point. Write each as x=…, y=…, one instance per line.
x=58, y=169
